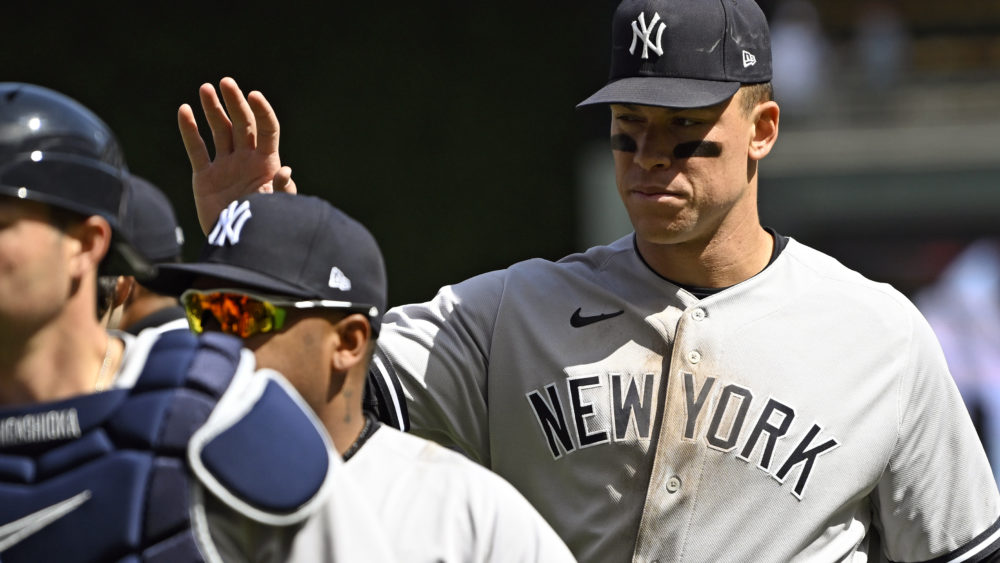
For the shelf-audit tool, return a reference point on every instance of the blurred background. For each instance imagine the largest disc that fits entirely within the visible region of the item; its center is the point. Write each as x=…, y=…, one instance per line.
x=449, y=129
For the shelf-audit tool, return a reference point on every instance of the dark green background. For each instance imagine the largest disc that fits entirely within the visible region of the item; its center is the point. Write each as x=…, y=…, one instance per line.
x=448, y=129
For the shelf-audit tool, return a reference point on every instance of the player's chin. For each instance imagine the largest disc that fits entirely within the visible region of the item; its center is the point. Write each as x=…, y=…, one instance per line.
x=660, y=227
x=662, y=234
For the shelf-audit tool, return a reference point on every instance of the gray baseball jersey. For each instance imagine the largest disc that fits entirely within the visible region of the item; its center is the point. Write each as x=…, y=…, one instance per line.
x=804, y=414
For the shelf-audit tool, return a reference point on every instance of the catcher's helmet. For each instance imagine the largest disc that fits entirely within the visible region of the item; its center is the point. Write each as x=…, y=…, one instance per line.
x=56, y=151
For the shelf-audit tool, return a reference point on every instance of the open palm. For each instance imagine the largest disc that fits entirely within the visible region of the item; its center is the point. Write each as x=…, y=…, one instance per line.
x=246, y=149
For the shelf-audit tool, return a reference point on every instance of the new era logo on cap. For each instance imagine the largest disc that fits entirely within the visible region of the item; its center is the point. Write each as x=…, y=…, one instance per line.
x=339, y=280
x=748, y=59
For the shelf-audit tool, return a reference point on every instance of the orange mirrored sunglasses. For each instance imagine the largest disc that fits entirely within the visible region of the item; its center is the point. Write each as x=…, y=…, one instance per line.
x=244, y=314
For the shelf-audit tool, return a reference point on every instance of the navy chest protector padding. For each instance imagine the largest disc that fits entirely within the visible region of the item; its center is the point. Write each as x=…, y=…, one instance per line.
x=110, y=476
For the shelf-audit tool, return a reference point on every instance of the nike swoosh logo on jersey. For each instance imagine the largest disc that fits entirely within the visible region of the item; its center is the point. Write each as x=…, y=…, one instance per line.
x=14, y=532
x=578, y=320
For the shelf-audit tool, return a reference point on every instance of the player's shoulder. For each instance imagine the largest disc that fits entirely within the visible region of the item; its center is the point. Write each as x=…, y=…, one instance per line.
x=595, y=258
x=409, y=454
x=540, y=275
x=826, y=274
x=597, y=264
x=452, y=502
x=391, y=445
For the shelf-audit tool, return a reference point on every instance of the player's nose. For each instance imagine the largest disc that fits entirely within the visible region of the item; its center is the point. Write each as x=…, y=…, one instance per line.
x=654, y=150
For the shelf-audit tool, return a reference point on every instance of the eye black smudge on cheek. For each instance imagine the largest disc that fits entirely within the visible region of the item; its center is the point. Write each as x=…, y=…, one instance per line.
x=622, y=142
x=709, y=149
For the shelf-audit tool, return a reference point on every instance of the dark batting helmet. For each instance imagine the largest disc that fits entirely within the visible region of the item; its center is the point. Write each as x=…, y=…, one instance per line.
x=53, y=150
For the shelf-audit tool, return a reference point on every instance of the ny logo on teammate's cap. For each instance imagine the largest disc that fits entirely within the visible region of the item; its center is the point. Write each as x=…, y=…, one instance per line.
x=229, y=225
x=641, y=31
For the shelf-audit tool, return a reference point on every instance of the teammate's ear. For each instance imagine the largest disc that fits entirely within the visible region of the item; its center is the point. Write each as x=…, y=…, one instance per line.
x=351, y=347
x=123, y=289
x=765, y=129
x=93, y=238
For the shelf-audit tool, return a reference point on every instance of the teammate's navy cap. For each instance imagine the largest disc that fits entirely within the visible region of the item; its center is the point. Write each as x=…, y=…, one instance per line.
x=685, y=53
x=296, y=246
x=151, y=223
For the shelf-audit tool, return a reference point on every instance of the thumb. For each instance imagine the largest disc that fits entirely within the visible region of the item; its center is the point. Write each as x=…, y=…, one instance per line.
x=283, y=181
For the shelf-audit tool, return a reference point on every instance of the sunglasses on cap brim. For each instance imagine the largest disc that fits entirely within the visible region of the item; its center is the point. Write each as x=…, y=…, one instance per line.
x=244, y=314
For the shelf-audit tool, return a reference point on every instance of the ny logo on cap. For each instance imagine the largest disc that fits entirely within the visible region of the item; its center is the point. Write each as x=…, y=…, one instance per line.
x=641, y=30
x=229, y=225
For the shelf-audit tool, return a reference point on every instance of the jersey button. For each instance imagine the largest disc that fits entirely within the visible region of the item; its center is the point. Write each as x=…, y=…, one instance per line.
x=694, y=356
x=673, y=484
x=698, y=314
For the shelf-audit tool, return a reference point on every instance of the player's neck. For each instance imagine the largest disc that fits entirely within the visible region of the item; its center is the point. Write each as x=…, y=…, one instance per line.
x=342, y=415
x=723, y=260
x=143, y=307
x=61, y=360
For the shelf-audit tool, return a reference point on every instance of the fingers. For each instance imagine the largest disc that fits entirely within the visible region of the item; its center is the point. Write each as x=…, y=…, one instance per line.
x=194, y=145
x=267, y=122
x=283, y=181
x=217, y=119
x=244, y=127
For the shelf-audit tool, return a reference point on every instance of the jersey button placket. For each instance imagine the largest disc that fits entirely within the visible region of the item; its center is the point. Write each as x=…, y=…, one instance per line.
x=697, y=315
x=673, y=484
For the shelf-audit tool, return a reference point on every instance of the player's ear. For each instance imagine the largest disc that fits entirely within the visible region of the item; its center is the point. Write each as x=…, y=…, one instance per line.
x=92, y=238
x=353, y=333
x=764, y=119
x=123, y=289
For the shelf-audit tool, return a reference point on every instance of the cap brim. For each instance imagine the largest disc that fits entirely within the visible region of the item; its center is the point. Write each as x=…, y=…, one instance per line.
x=174, y=279
x=663, y=92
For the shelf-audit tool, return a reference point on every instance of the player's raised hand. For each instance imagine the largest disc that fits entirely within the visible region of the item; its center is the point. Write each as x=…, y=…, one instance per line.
x=245, y=134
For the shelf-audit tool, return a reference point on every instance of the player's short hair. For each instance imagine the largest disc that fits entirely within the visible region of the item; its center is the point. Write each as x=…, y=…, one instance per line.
x=753, y=95
x=106, y=287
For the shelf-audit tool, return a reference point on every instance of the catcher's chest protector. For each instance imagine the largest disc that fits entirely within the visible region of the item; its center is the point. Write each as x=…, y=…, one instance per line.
x=119, y=475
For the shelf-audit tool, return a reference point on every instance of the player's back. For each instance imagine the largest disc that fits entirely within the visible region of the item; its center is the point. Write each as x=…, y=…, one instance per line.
x=434, y=504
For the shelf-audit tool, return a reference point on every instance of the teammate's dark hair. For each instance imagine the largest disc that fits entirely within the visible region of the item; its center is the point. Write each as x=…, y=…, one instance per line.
x=754, y=94
x=106, y=286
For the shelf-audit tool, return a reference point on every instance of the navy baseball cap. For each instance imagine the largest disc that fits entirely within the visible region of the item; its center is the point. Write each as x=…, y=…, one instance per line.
x=151, y=223
x=287, y=245
x=685, y=53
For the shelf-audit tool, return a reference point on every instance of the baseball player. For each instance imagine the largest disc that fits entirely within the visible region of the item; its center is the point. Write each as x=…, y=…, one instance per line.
x=308, y=297
x=703, y=389
x=153, y=229
x=113, y=447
